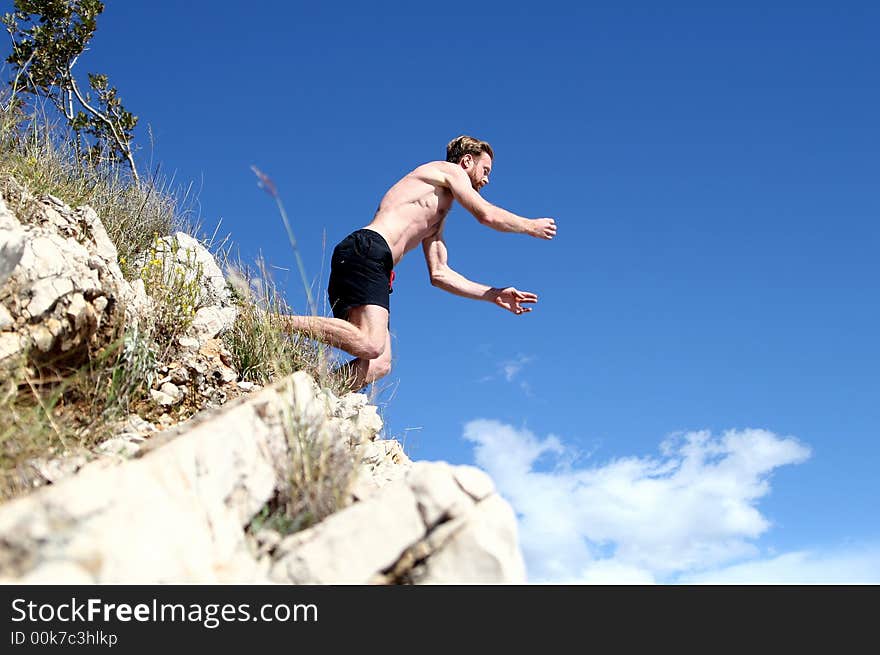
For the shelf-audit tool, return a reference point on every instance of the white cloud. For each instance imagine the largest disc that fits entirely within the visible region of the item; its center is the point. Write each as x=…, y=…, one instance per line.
x=510, y=370
x=853, y=565
x=512, y=367
x=609, y=571
x=632, y=519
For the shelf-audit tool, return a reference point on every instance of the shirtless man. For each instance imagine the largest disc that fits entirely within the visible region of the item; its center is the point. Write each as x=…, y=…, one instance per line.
x=413, y=211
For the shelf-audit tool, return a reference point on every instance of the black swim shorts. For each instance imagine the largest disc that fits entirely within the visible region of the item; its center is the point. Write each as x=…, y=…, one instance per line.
x=360, y=272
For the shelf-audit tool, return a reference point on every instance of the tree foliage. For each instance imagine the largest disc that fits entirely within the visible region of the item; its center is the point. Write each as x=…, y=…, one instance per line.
x=48, y=37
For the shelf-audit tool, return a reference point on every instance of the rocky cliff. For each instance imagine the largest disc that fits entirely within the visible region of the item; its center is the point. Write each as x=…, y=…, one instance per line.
x=180, y=496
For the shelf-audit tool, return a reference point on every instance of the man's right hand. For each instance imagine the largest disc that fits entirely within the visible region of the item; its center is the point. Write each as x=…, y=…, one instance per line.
x=543, y=228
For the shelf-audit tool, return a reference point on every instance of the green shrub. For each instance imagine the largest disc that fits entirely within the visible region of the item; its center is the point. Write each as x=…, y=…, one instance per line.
x=175, y=288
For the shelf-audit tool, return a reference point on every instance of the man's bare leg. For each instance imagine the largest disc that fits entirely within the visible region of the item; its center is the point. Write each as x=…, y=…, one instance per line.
x=362, y=335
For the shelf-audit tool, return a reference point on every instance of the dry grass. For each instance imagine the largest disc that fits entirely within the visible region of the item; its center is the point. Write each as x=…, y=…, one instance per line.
x=57, y=411
x=318, y=478
x=262, y=349
x=40, y=155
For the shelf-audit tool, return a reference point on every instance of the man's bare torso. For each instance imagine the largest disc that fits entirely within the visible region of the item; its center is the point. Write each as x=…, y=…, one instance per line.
x=413, y=209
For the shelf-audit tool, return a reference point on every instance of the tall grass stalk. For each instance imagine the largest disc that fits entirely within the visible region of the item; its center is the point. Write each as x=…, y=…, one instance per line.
x=270, y=188
x=340, y=378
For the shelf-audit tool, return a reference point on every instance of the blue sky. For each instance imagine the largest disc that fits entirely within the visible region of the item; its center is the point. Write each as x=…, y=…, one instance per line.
x=695, y=396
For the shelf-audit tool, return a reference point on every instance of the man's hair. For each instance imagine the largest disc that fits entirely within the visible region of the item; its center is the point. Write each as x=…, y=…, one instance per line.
x=466, y=145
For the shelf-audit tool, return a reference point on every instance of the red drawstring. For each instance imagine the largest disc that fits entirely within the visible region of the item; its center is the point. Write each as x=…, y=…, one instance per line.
x=391, y=282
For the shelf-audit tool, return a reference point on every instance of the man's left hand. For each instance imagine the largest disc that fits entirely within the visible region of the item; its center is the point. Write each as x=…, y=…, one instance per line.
x=511, y=299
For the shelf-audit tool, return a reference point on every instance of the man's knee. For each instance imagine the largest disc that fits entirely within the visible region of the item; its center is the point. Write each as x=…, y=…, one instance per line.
x=379, y=368
x=371, y=324
x=371, y=348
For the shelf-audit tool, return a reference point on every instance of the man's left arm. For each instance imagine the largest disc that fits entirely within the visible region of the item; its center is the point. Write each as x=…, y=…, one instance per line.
x=491, y=215
x=453, y=177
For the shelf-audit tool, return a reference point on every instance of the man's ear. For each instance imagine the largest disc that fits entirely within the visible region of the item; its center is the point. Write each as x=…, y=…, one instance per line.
x=467, y=161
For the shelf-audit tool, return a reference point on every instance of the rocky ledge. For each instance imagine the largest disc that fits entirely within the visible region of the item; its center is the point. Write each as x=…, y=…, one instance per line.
x=180, y=510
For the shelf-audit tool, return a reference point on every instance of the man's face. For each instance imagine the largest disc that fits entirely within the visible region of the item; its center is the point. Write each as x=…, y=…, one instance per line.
x=478, y=169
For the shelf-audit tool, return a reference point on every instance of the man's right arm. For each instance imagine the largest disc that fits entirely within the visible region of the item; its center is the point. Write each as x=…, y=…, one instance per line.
x=456, y=180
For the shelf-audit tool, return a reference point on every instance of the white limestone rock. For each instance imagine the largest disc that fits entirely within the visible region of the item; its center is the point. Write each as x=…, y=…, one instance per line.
x=176, y=514
x=352, y=545
x=59, y=279
x=474, y=481
x=484, y=550
x=12, y=238
x=437, y=493
x=211, y=321
x=171, y=506
x=138, y=305
x=6, y=320
x=162, y=399
x=381, y=462
x=11, y=344
x=350, y=405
